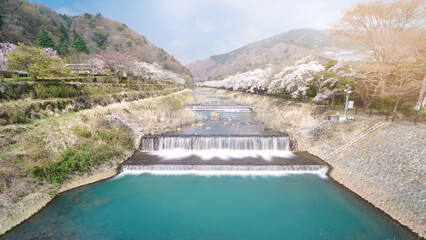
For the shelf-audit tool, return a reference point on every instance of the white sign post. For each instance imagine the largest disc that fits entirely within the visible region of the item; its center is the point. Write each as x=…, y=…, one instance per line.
x=348, y=91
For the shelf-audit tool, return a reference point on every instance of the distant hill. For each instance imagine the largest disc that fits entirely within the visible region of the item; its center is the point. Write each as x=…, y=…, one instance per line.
x=20, y=21
x=259, y=54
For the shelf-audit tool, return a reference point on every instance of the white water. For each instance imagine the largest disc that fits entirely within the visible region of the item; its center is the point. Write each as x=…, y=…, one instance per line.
x=218, y=170
x=209, y=142
x=219, y=108
x=176, y=154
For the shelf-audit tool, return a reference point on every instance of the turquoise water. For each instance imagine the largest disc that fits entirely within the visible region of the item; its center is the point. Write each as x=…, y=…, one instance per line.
x=198, y=207
x=238, y=123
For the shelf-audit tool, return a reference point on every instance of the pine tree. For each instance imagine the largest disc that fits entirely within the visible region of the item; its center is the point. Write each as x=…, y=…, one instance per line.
x=44, y=40
x=63, y=45
x=78, y=43
x=64, y=31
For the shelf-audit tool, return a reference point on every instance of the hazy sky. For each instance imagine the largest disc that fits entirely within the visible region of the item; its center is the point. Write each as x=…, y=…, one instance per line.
x=196, y=29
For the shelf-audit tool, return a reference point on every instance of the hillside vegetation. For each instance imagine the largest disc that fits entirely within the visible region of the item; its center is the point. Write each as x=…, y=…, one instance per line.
x=289, y=45
x=21, y=21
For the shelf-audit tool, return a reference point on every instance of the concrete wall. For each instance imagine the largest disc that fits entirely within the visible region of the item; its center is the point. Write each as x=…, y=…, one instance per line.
x=387, y=167
x=42, y=108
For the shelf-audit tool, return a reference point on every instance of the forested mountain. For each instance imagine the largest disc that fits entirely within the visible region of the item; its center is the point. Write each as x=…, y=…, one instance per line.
x=259, y=54
x=21, y=21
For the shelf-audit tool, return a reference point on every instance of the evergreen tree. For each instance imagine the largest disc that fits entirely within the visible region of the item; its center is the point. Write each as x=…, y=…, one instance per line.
x=63, y=45
x=64, y=31
x=78, y=43
x=44, y=40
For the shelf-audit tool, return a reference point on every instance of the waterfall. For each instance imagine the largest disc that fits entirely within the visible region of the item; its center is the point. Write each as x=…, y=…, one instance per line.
x=206, y=142
x=226, y=169
x=223, y=108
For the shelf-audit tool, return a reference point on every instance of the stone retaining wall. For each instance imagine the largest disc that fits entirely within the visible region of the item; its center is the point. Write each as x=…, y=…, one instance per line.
x=42, y=108
x=386, y=167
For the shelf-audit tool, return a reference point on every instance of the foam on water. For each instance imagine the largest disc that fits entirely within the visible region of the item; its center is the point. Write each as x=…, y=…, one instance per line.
x=175, y=154
x=219, y=108
x=222, y=142
x=219, y=170
x=320, y=173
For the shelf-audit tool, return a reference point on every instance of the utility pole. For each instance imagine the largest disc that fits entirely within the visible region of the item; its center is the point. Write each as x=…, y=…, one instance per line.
x=420, y=101
x=348, y=91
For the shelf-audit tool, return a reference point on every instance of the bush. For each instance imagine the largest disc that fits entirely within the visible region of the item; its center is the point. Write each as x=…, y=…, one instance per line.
x=82, y=131
x=87, y=16
x=16, y=116
x=83, y=156
x=383, y=105
x=37, y=62
x=122, y=27
x=407, y=108
x=55, y=91
x=92, y=23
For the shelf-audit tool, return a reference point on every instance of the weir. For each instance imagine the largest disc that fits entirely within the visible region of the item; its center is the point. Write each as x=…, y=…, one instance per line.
x=221, y=108
x=233, y=144
x=244, y=168
x=208, y=142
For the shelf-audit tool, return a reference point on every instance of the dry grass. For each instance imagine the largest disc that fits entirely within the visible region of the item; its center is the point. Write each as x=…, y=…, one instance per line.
x=280, y=115
x=50, y=137
x=305, y=124
x=154, y=116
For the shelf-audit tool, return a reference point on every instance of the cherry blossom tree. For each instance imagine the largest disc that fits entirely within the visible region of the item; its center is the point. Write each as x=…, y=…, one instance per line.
x=154, y=71
x=5, y=49
x=297, y=78
x=118, y=62
x=251, y=81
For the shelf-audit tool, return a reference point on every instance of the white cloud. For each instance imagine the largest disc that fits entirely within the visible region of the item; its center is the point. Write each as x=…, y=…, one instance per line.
x=66, y=11
x=205, y=25
x=179, y=45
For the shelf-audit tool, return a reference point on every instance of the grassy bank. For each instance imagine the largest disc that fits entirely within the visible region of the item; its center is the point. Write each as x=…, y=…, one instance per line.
x=48, y=153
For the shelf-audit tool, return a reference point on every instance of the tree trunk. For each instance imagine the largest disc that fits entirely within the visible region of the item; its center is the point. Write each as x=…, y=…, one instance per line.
x=395, y=107
x=366, y=104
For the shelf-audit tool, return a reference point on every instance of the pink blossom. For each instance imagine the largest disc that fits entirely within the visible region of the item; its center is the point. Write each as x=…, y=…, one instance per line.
x=5, y=49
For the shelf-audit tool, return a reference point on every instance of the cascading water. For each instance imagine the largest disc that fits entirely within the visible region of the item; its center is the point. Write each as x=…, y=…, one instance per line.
x=200, y=149
x=203, y=142
x=225, y=207
x=238, y=168
x=222, y=108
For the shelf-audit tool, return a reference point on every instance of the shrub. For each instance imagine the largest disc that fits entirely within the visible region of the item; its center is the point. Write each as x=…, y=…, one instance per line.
x=92, y=23
x=383, y=105
x=106, y=144
x=407, y=108
x=16, y=116
x=82, y=131
x=122, y=27
x=55, y=91
x=87, y=16
x=100, y=39
x=38, y=62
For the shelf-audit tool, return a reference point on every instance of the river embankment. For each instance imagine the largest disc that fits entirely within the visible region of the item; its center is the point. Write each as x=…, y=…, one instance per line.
x=150, y=116
x=386, y=167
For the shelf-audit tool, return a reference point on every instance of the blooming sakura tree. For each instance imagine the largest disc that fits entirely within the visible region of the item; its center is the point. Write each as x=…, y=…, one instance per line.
x=118, y=62
x=250, y=81
x=5, y=49
x=297, y=78
x=51, y=52
x=155, y=71
x=98, y=67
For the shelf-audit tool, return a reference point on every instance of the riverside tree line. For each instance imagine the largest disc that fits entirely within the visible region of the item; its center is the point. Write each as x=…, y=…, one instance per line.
x=391, y=72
